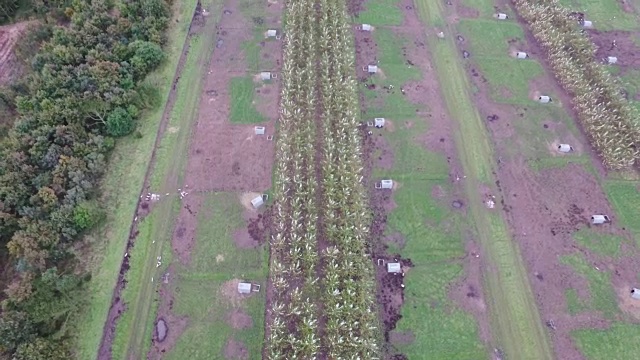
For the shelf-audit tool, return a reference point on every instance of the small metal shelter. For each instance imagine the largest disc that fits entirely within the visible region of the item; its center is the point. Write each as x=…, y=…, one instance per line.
x=587, y=24
x=394, y=268
x=565, y=148
x=378, y=122
x=244, y=288
x=502, y=16
x=259, y=130
x=257, y=201
x=599, y=219
x=612, y=59
x=386, y=184
x=371, y=69
x=272, y=33
x=265, y=75
x=522, y=55
x=635, y=293
x=544, y=99
x=366, y=27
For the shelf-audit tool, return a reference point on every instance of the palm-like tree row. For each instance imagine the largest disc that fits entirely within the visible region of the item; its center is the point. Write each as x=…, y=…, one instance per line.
x=606, y=116
x=320, y=180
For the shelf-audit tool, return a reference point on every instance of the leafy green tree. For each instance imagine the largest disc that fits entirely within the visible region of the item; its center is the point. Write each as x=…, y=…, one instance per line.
x=120, y=122
x=15, y=328
x=146, y=56
x=42, y=349
x=86, y=215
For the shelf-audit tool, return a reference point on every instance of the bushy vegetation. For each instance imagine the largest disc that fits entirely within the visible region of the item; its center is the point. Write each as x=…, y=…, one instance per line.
x=606, y=116
x=83, y=92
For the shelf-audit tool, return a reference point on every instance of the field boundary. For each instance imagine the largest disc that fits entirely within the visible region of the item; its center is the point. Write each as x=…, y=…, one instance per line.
x=109, y=326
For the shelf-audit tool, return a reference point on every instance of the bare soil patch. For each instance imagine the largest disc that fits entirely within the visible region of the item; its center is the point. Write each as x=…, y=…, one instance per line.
x=620, y=44
x=10, y=69
x=235, y=350
x=238, y=319
x=175, y=324
x=243, y=239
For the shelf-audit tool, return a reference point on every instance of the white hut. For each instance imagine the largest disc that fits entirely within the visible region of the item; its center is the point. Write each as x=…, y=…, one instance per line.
x=371, y=69
x=378, y=122
x=257, y=201
x=612, y=60
x=522, y=55
x=544, y=99
x=244, y=288
x=259, y=130
x=386, y=184
x=366, y=27
x=587, y=24
x=635, y=293
x=565, y=148
x=502, y=16
x=599, y=219
x=265, y=75
x=271, y=33
x=394, y=268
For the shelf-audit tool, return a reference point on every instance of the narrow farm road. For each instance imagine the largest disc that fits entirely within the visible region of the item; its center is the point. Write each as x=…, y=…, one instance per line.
x=515, y=321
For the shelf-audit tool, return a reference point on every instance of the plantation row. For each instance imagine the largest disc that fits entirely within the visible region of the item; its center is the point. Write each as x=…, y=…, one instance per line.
x=605, y=114
x=319, y=100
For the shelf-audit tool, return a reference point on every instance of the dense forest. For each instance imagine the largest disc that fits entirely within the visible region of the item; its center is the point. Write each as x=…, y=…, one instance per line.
x=82, y=92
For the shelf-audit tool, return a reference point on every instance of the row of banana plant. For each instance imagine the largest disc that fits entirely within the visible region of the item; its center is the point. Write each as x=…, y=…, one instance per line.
x=610, y=122
x=352, y=330
x=293, y=331
x=319, y=100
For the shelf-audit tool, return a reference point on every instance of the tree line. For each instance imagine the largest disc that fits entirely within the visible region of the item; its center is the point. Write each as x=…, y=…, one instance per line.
x=84, y=91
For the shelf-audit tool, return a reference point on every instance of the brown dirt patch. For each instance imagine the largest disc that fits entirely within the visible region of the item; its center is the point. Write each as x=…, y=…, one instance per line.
x=626, y=49
x=175, y=324
x=10, y=69
x=235, y=350
x=401, y=337
x=238, y=319
x=243, y=239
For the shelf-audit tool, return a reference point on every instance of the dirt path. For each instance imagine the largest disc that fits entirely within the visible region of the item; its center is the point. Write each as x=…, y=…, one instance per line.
x=117, y=305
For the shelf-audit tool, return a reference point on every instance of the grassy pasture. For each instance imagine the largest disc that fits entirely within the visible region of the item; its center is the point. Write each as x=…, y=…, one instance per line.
x=509, y=78
x=605, y=14
x=516, y=323
x=381, y=13
x=599, y=243
x=243, y=93
x=620, y=341
x=602, y=296
x=198, y=288
x=121, y=186
x=449, y=331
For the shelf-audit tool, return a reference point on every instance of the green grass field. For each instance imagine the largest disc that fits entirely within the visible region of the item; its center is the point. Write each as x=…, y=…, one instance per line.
x=618, y=342
x=381, y=12
x=599, y=242
x=449, y=331
x=121, y=187
x=243, y=110
x=605, y=14
x=198, y=288
x=134, y=327
x=516, y=323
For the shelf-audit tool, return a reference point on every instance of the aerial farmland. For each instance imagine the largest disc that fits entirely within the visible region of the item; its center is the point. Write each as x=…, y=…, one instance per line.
x=364, y=179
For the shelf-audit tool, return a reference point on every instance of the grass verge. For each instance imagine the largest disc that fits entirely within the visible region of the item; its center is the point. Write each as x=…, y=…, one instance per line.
x=243, y=110
x=121, y=187
x=135, y=324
